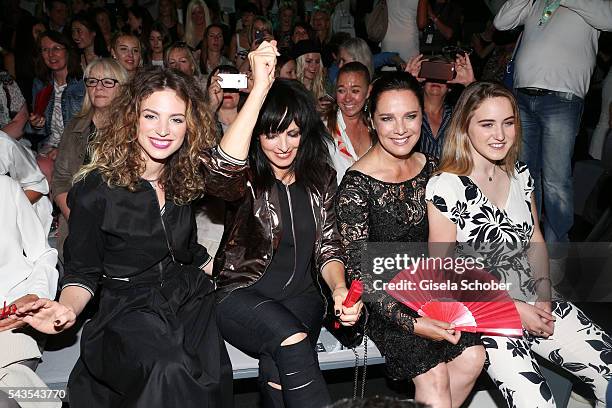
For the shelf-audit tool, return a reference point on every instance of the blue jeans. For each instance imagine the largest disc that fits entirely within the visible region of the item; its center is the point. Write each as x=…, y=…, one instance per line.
x=550, y=123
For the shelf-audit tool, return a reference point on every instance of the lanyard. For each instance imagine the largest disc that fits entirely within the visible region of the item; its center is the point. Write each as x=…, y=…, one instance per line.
x=549, y=9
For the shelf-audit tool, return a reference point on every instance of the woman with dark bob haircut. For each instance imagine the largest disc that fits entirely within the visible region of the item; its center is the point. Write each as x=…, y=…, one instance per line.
x=280, y=241
x=153, y=341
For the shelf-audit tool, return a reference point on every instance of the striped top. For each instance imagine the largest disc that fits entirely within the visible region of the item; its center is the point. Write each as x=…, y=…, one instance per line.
x=432, y=144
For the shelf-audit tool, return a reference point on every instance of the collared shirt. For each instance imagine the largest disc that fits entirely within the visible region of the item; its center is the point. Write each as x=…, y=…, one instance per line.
x=342, y=153
x=432, y=144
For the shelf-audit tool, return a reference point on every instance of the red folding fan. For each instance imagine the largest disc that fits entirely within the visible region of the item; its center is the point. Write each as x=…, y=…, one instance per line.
x=473, y=300
x=6, y=311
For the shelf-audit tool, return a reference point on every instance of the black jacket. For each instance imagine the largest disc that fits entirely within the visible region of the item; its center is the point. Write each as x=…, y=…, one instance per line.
x=118, y=233
x=252, y=223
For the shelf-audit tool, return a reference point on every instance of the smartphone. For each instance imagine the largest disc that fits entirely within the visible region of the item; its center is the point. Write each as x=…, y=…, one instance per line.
x=437, y=70
x=259, y=36
x=234, y=81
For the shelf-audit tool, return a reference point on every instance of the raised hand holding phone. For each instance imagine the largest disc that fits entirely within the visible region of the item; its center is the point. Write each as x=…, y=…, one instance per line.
x=237, y=137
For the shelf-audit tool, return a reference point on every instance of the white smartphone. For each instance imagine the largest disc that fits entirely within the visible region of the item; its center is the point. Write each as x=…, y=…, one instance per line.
x=235, y=81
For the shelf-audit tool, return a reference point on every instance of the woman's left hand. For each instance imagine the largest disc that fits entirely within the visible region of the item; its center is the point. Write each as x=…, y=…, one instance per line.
x=465, y=72
x=347, y=316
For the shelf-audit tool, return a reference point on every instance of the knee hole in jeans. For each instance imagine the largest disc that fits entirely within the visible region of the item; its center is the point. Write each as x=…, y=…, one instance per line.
x=294, y=339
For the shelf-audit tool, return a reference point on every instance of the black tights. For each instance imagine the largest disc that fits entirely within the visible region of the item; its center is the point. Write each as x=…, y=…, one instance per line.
x=258, y=325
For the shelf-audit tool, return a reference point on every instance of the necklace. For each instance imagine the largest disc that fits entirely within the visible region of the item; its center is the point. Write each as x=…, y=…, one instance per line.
x=492, y=175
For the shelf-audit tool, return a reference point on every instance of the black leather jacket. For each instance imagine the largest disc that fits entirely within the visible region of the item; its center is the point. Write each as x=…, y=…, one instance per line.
x=252, y=224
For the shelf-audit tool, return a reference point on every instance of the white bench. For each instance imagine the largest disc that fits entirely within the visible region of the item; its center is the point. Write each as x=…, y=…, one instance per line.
x=62, y=352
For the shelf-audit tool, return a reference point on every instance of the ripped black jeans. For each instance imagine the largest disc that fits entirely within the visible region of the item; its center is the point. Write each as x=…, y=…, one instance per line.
x=257, y=326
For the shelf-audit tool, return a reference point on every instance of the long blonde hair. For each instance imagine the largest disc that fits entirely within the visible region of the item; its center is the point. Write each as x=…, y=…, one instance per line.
x=317, y=86
x=456, y=154
x=189, y=37
x=117, y=155
x=112, y=69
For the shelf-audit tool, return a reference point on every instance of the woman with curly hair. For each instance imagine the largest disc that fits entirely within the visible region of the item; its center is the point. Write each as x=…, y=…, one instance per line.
x=154, y=340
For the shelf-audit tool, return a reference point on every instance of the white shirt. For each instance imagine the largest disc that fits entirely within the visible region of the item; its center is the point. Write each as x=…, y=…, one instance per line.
x=402, y=32
x=27, y=262
x=341, y=150
x=19, y=162
x=559, y=54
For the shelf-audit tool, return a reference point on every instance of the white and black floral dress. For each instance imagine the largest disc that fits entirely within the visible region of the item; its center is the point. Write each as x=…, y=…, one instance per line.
x=501, y=236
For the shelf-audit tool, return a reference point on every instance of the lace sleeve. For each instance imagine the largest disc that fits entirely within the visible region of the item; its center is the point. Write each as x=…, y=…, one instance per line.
x=352, y=213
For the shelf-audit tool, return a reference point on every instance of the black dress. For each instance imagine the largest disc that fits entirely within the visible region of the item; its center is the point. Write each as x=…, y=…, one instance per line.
x=154, y=340
x=370, y=210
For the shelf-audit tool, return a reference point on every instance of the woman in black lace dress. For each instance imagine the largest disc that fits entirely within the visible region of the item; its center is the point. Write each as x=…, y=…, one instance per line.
x=382, y=199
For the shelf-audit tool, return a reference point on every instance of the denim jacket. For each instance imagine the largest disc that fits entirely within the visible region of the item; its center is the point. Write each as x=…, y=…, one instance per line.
x=72, y=100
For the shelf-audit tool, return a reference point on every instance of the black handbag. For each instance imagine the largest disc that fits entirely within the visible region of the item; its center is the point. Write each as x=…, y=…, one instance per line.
x=348, y=336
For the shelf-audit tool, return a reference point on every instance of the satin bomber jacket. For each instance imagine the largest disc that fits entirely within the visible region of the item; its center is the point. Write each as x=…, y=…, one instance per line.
x=253, y=224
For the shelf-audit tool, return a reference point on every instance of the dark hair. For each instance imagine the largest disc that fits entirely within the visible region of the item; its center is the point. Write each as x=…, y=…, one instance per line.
x=204, y=52
x=281, y=60
x=26, y=53
x=89, y=21
x=147, y=21
x=73, y=64
x=49, y=3
x=289, y=101
x=356, y=67
x=305, y=26
x=392, y=81
x=249, y=8
x=215, y=25
x=336, y=41
x=160, y=28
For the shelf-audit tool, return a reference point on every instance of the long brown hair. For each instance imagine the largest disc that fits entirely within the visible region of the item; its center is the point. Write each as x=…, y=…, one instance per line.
x=456, y=155
x=117, y=156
